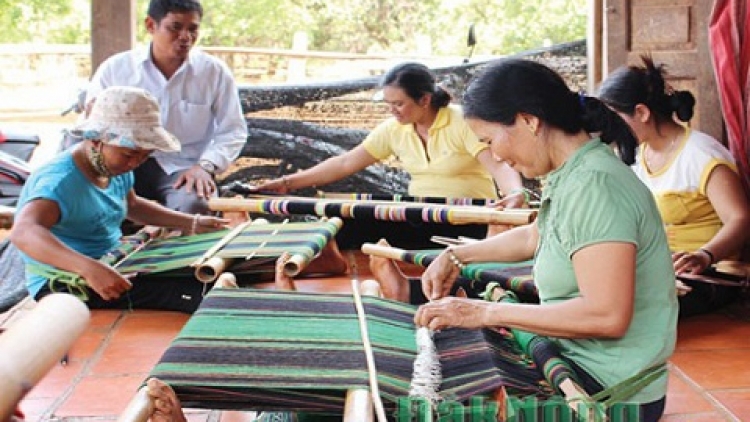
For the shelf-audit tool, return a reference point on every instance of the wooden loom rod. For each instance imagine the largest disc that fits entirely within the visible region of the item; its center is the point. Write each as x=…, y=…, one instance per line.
x=456, y=214
x=370, y=288
x=35, y=343
x=389, y=252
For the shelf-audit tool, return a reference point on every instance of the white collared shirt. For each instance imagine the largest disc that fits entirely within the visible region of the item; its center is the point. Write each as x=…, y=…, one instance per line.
x=200, y=104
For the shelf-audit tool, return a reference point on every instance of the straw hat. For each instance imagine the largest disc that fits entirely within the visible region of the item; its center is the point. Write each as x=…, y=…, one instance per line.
x=127, y=117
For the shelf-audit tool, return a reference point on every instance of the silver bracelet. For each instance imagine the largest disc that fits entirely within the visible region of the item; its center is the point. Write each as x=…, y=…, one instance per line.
x=454, y=259
x=196, y=221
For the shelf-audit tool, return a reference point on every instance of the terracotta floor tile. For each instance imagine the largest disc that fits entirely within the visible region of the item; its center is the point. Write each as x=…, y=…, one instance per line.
x=718, y=369
x=713, y=331
x=57, y=381
x=101, y=396
x=103, y=319
x=683, y=398
x=738, y=402
x=87, y=345
x=138, y=342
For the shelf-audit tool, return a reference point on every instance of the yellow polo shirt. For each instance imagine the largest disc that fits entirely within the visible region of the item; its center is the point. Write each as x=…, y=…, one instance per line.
x=447, y=168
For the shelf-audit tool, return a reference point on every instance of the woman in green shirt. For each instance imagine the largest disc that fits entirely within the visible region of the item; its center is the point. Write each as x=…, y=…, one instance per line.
x=602, y=265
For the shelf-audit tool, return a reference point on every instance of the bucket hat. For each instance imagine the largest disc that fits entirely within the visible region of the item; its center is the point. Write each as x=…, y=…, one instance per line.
x=127, y=117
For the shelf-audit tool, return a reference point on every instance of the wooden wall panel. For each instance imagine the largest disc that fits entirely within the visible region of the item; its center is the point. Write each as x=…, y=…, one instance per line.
x=674, y=33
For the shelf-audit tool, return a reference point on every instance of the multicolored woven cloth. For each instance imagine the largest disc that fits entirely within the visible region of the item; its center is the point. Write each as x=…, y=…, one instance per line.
x=513, y=276
x=406, y=198
x=386, y=211
x=251, y=251
x=268, y=350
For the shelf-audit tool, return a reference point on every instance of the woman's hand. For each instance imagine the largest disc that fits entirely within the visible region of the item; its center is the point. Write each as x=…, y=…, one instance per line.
x=512, y=200
x=439, y=276
x=452, y=312
x=105, y=280
x=692, y=263
x=208, y=224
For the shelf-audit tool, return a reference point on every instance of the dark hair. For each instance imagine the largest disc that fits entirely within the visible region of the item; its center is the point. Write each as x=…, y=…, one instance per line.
x=157, y=9
x=416, y=80
x=629, y=86
x=511, y=86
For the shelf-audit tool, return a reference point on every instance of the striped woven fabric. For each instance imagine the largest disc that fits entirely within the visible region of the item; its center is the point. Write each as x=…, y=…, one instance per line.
x=516, y=276
x=253, y=250
x=406, y=198
x=258, y=349
x=385, y=211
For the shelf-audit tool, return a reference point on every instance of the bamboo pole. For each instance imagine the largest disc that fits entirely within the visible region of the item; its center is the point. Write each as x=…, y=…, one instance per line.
x=35, y=343
x=455, y=214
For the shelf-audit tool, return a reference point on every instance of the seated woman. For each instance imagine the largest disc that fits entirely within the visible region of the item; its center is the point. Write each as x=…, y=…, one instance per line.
x=692, y=176
x=602, y=265
x=70, y=210
x=433, y=144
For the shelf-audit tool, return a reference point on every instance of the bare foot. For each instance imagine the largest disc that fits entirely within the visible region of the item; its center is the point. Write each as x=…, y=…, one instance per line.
x=393, y=282
x=329, y=261
x=227, y=281
x=167, y=406
x=283, y=281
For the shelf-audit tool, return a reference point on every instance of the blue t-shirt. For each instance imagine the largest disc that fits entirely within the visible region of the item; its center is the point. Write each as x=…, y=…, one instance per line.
x=90, y=217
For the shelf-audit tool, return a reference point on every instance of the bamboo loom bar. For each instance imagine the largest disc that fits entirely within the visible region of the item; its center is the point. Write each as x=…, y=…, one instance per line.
x=387, y=211
x=35, y=343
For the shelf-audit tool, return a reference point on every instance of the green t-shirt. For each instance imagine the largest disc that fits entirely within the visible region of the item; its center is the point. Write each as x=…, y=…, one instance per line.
x=595, y=198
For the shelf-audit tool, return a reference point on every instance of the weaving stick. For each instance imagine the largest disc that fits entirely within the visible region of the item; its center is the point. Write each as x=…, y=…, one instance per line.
x=736, y=268
x=220, y=244
x=31, y=346
x=208, y=267
x=372, y=371
x=358, y=406
x=391, y=211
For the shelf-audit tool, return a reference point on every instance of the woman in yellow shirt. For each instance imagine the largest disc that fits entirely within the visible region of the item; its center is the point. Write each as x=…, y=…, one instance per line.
x=433, y=143
x=692, y=176
x=430, y=139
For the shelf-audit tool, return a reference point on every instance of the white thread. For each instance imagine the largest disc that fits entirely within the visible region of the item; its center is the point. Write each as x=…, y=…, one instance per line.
x=427, y=375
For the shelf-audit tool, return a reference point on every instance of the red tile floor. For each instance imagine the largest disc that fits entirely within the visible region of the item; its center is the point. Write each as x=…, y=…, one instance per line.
x=710, y=371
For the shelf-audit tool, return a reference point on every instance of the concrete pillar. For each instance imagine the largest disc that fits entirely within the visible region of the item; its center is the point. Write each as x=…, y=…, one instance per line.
x=112, y=29
x=297, y=67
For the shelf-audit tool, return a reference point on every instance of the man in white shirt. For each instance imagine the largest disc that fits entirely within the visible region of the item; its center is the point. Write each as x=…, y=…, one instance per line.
x=199, y=104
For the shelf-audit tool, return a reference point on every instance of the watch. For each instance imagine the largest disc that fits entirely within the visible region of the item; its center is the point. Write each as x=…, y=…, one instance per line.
x=208, y=166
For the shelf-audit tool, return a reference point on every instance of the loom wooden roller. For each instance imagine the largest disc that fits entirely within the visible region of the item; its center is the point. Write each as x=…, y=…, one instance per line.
x=35, y=343
x=208, y=267
x=458, y=214
x=736, y=268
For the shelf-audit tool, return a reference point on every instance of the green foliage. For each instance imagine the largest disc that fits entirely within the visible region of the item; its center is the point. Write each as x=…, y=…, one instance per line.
x=359, y=26
x=31, y=20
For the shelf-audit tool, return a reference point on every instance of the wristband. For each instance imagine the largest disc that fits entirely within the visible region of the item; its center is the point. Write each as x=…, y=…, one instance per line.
x=194, y=227
x=523, y=191
x=454, y=259
x=712, y=260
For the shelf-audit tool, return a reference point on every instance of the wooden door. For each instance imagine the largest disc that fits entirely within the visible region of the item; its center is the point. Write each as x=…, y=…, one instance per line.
x=675, y=33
